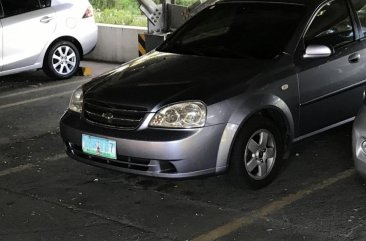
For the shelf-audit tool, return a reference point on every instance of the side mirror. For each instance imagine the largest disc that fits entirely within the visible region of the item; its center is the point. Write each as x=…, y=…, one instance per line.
x=167, y=36
x=317, y=51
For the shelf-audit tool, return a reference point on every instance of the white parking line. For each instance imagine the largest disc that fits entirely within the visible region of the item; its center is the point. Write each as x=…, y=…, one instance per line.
x=16, y=169
x=44, y=88
x=35, y=100
x=271, y=208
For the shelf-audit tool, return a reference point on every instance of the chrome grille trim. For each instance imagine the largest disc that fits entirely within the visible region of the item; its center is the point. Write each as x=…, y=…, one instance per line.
x=121, y=119
x=109, y=115
x=115, y=109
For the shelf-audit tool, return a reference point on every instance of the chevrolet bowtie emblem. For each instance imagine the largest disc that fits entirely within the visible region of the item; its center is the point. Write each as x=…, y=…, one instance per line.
x=107, y=116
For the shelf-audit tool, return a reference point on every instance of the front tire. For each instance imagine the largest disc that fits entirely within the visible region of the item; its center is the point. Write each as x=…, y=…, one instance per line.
x=62, y=60
x=257, y=154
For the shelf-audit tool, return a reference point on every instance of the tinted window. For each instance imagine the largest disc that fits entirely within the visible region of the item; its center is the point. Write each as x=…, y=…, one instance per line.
x=1, y=11
x=12, y=7
x=237, y=30
x=332, y=26
x=360, y=7
x=45, y=3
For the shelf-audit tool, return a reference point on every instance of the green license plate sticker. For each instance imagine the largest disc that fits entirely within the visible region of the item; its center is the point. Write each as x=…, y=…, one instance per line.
x=97, y=146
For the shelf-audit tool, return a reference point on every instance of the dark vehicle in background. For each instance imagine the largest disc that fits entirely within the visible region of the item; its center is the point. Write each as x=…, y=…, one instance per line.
x=232, y=89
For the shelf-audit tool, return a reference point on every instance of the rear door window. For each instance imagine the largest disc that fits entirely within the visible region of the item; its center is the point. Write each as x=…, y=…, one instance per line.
x=360, y=7
x=12, y=7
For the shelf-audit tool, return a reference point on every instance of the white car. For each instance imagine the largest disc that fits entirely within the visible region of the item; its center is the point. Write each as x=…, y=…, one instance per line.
x=52, y=35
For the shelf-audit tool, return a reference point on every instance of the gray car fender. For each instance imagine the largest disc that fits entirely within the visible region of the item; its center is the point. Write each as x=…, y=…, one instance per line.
x=242, y=114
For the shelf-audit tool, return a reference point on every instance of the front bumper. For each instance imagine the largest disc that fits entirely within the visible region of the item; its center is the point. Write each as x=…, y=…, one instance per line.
x=151, y=152
x=358, y=137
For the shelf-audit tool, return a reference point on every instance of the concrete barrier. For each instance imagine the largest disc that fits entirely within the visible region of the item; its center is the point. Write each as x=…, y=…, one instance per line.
x=116, y=43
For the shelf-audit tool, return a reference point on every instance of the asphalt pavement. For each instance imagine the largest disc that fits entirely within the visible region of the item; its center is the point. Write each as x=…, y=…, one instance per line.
x=44, y=195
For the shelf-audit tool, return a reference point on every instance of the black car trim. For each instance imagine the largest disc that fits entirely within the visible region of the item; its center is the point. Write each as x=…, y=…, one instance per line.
x=115, y=107
x=323, y=129
x=263, y=2
x=320, y=98
x=355, y=20
x=120, y=119
x=111, y=126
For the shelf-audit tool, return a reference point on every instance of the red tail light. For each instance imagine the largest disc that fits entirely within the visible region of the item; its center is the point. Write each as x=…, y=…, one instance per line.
x=89, y=12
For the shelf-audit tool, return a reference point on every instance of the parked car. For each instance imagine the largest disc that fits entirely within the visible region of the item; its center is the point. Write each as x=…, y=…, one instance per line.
x=232, y=89
x=52, y=35
x=359, y=142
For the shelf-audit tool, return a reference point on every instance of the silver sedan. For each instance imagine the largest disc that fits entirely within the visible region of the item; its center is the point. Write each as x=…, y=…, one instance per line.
x=359, y=142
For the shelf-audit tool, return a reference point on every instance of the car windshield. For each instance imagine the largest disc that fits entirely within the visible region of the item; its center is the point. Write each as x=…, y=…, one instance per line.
x=237, y=30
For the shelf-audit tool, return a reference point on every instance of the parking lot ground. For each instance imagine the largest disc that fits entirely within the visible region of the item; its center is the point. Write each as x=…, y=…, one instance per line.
x=36, y=79
x=44, y=195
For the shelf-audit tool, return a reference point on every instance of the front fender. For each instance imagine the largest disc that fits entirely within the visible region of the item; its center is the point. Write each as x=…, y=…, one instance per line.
x=261, y=102
x=250, y=107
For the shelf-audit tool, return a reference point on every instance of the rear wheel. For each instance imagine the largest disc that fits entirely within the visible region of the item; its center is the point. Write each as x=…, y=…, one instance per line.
x=257, y=154
x=62, y=60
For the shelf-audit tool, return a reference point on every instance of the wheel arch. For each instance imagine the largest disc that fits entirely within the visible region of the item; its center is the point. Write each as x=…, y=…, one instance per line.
x=278, y=117
x=269, y=106
x=65, y=38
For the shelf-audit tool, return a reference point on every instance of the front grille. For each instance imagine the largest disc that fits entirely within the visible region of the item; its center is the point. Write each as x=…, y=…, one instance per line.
x=124, y=117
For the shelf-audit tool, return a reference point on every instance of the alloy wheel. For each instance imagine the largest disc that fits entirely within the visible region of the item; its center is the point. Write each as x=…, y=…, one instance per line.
x=260, y=154
x=64, y=60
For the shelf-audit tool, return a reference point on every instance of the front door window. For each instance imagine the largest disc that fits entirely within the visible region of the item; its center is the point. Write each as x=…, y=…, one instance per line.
x=332, y=26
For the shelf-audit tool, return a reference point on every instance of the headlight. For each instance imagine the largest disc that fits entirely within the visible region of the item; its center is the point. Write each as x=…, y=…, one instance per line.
x=181, y=115
x=363, y=146
x=76, y=101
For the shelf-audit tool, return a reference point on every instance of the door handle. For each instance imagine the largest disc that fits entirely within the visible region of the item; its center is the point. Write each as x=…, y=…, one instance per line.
x=354, y=58
x=46, y=19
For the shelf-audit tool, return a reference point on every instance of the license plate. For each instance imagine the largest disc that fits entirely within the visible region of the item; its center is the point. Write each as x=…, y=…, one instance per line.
x=97, y=146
